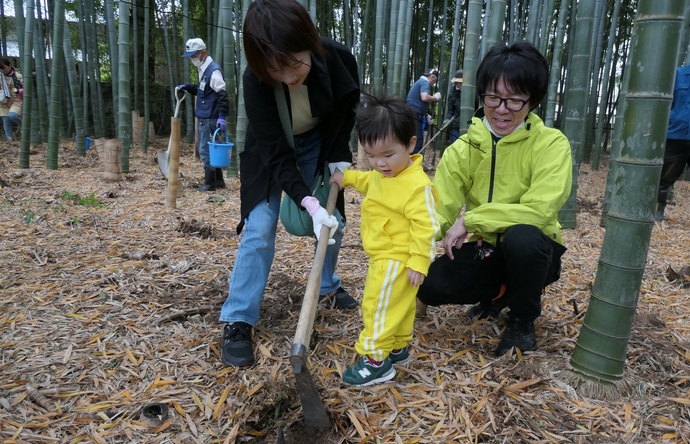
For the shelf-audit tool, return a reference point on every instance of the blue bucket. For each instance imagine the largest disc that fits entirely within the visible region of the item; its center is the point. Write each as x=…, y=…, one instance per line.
x=219, y=153
x=87, y=143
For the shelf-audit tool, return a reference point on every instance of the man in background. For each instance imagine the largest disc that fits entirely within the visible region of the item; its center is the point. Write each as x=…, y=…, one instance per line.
x=211, y=107
x=419, y=99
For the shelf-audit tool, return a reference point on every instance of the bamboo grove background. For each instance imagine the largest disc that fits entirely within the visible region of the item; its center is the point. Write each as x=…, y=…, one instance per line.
x=88, y=64
x=104, y=47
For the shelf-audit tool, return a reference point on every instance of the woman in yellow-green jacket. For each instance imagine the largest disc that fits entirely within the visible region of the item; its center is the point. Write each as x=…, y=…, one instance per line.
x=512, y=174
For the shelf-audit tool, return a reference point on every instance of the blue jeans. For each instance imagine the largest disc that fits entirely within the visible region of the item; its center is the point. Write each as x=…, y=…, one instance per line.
x=205, y=129
x=454, y=134
x=8, y=123
x=257, y=246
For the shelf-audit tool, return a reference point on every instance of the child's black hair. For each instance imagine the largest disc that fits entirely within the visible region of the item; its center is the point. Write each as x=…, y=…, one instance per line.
x=385, y=117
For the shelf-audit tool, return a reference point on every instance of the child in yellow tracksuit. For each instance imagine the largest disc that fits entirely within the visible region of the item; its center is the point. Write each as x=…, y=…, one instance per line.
x=399, y=227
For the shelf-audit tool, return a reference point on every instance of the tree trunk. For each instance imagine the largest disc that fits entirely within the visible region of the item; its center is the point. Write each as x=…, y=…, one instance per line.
x=579, y=78
x=598, y=361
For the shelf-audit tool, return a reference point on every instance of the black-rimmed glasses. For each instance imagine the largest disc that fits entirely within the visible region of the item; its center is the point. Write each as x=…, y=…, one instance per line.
x=511, y=104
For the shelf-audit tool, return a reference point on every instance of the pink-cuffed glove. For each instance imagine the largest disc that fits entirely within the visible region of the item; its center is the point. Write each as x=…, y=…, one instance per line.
x=320, y=217
x=20, y=93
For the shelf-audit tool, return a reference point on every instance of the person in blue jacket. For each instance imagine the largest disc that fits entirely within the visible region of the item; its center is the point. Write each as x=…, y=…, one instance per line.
x=677, y=152
x=212, y=106
x=418, y=98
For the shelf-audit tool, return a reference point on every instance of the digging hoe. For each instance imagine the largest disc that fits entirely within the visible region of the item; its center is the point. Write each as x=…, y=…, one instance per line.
x=315, y=414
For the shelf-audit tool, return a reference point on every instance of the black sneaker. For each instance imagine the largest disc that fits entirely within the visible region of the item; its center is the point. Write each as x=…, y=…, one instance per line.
x=237, y=349
x=518, y=334
x=339, y=299
x=659, y=215
x=485, y=310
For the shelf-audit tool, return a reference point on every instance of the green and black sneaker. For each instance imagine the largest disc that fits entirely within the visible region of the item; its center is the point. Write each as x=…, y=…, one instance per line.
x=366, y=372
x=400, y=356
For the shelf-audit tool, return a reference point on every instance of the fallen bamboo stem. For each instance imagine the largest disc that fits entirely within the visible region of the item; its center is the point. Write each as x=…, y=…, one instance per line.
x=38, y=398
x=185, y=313
x=47, y=392
x=28, y=435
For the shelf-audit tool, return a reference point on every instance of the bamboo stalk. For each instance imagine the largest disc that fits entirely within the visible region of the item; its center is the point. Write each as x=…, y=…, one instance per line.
x=38, y=398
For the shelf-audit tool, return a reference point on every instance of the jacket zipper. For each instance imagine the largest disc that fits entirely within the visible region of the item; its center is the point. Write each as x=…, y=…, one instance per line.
x=493, y=168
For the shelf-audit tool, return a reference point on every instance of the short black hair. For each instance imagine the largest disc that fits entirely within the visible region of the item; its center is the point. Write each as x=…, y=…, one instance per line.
x=385, y=117
x=521, y=66
x=273, y=29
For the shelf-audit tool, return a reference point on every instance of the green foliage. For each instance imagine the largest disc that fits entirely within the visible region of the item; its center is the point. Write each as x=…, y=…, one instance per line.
x=68, y=195
x=88, y=201
x=218, y=200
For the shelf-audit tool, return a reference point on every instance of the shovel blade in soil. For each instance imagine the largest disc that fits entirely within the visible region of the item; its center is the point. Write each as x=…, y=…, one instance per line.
x=315, y=414
x=163, y=159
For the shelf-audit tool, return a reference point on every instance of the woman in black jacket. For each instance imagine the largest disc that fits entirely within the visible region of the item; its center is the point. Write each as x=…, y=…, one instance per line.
x=319, y=80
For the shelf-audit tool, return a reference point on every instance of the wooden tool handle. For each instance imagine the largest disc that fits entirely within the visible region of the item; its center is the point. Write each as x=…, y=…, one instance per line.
x=300, y=344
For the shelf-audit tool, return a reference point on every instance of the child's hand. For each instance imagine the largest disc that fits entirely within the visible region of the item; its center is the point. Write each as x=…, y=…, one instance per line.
x=337, y=178
x=416, y=278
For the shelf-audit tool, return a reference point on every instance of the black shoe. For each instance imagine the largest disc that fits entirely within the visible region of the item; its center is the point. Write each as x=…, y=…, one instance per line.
x=209, y=181
x=659, y=215
x=485, y=310
x=518, y=334
x=339, y=299
x=490, y=308
x=237, y=349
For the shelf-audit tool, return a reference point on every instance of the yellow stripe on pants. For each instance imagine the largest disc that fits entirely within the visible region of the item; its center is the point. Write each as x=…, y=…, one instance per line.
x=388, y=307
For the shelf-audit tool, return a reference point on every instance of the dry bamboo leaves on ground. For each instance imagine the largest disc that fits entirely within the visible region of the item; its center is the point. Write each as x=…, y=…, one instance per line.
x=109, y=303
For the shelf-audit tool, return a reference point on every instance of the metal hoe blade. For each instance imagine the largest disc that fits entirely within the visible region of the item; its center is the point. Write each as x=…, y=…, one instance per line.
x=315, y=414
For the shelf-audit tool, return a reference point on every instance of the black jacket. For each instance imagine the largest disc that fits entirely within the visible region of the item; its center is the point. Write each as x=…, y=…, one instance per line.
x=268, y=159
x=454, y=108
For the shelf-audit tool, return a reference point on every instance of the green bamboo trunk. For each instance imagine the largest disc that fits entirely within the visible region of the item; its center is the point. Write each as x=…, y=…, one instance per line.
x=56, y=89
x=579, y=77
x=28, y=86
x=124, y=102
x=75, y=95
x=555, y=74
x=599, y=356
x=470, y=63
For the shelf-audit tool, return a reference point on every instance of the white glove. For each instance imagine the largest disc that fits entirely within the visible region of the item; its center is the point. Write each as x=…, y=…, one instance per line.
x=437, y=96
x=320, y=217
x=342, y=166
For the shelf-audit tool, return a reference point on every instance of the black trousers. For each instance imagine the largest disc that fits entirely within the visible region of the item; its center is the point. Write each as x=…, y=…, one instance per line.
x=676, y=157
x=420, y=133
x=526, y=260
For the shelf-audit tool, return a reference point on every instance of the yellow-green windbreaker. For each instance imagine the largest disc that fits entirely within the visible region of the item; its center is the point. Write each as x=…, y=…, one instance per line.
x=524, y=178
